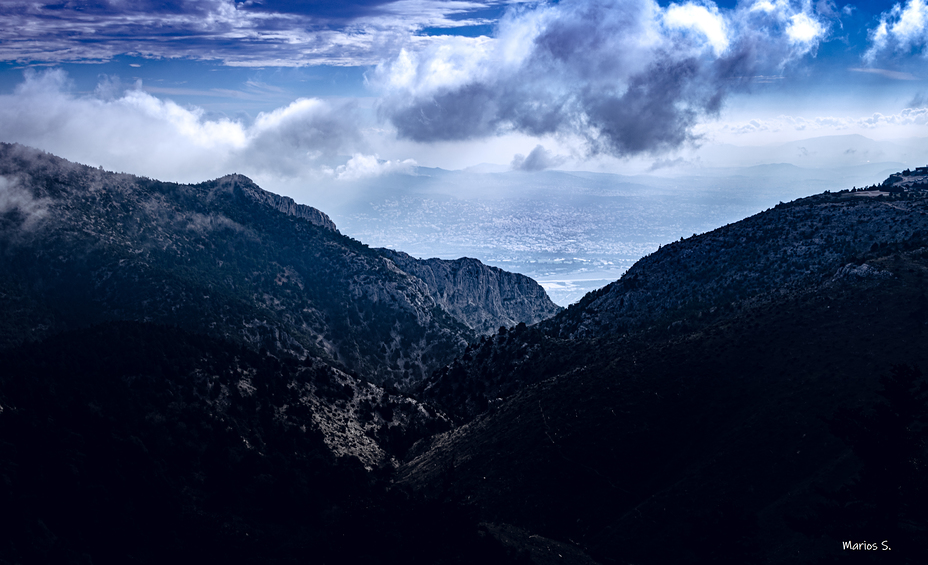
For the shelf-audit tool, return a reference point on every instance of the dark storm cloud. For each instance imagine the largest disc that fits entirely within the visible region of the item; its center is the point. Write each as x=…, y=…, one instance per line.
x=628, y=77
x=655, y=113
x=464, y=113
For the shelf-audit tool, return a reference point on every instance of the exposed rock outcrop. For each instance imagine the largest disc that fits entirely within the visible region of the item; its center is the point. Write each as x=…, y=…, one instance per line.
x=283, y=204
x=480, y=296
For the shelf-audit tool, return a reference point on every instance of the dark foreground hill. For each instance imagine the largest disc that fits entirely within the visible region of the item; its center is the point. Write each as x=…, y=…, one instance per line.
x=225, y=258
x=189, y=373
x=137, y=443
x=720, y=404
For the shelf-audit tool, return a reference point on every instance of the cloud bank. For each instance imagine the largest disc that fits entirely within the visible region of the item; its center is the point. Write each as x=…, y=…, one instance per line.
x=625, y=77
x=130, y=130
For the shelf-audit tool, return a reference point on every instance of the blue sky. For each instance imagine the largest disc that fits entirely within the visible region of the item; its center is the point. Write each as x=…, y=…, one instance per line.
x=300, y=92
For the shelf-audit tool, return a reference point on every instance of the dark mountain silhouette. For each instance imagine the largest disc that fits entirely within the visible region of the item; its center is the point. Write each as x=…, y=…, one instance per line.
x=189, y=373
x=700, y=281
x=680, y=415
x=135, y=443
x=79, y=245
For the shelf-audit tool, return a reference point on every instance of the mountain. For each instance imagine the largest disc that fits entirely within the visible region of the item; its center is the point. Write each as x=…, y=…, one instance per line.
x=483, y=298
x=131, y=442
x=703, y=280
x=790, y=246
x=718, y=404
x=225, y=258
x=213, y=371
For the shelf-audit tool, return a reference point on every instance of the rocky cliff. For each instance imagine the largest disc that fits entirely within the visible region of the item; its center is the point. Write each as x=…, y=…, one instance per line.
x=280, y=203
x=482, y=297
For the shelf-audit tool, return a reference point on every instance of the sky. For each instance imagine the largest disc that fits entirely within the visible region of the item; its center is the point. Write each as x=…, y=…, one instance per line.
x=303, y=94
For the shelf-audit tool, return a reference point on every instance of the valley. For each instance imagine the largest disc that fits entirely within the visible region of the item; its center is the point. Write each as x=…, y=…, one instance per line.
x=572, y=232
x=217, y=372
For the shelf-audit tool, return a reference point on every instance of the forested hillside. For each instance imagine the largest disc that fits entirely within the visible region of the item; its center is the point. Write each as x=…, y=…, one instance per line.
x=79, y=245
x=730, y=400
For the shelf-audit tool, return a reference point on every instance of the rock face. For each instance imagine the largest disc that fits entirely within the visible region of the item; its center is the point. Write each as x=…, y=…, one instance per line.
x=482, y=297
x=80, y=246
x=280, y=203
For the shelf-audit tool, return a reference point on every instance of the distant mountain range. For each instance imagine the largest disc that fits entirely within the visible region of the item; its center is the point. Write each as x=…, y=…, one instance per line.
x=213, y=371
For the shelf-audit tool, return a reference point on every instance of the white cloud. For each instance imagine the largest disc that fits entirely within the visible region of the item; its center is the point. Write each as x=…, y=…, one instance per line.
x=627, y=76
x=14, y=196
x=188, y=123
x=800, y=27
x=367, y=166
x=136, y=132
x=909, y=27
x=767, y=7
x=538, y=159
x=902, y=28
x=449, y=64
x=704, y=20
x=217, y=30
x=895, y=75
x=804, y=29
x=132, y=131
x=879, y=37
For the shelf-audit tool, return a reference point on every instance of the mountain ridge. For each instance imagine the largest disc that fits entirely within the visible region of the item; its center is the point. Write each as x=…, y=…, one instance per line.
x=284, y=204
x=693, y=396
x=223, y=257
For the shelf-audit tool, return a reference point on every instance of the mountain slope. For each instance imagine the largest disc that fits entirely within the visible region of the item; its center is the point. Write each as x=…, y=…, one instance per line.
x=690, y=400
x=80, y=245
x=788, y=246
x=692, y=283
x=136, y=443
x=482, y=297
